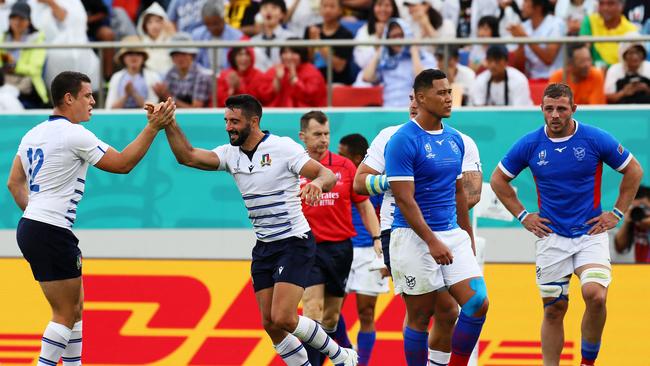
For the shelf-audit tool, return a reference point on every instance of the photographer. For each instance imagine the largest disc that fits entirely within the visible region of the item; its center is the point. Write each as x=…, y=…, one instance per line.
x=635, y=230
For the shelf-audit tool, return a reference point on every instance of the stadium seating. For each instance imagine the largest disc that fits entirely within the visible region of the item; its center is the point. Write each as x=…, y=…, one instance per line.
x=349, y=96
x=537, y=90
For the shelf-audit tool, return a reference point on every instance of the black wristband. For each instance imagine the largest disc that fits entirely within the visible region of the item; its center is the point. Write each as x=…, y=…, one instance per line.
x=376, y=238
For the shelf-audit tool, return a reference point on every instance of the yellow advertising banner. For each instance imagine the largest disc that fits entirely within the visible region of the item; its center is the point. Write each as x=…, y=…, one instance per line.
x=181, y=312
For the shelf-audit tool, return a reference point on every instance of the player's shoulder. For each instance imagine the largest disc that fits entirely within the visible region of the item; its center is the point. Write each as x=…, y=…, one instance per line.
x=283, y=143
x=590, y=131
x=389, y=131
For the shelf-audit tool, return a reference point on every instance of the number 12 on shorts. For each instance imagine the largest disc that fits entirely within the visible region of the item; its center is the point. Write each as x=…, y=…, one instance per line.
x=35, y=158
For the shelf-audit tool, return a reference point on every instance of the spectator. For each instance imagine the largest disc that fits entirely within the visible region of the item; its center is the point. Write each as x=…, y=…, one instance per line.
x=214, y=28
x=541, y=59
x=295, y=82
x=273, y=13
x=99, y=29
x=240, y=14
x=635, y=231
x=585, y=80
x=629, y=80
x=500, y=84
x=187, y=82
x=343, y=69
x=5, y=8
x=302, y=14
x=396, y=66
x=241, y=77
x=132, y=86
x=573, y=12
x=637, y=12
x=457, y=74
x=186, y=14
x=154, y=27
x=427, y=22
x=506, y=11
x=608, y=21
x=382, y=11
x=9, y=97
x=64, y=21
x=488, y=27
x=23, y=68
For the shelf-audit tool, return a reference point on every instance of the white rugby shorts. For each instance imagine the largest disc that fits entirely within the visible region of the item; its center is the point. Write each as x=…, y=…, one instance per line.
x=557, y=256
x=361, y=279
x=414, y=270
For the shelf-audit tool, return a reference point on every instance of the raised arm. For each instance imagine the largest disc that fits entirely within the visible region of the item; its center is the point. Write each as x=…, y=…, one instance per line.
x=17, y=184
x=123, y=162
x=188, y=155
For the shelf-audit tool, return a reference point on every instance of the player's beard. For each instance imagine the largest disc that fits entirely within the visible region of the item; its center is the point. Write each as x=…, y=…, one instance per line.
x=239, y=136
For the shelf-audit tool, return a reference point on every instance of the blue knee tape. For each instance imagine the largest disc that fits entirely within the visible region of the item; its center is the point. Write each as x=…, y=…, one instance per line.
x=476, y=301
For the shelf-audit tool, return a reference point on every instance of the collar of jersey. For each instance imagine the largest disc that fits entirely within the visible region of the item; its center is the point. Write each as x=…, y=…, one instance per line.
x=562, y=139
x=55, y=117
x=435, y=132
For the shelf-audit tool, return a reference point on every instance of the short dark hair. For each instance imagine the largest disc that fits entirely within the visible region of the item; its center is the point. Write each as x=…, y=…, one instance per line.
x=247, y=104
x=643, y=192
x=356, y=143
x=558, y=90
x=454, y=51
x=279, y=3
x=572, y=48
x=425, y=79
x=496, y=52
x=492, y=22
x=372, y=20
x=317, y=116
x=546, y=5
x=302, y=51
x=67, y=82
x=232, y=56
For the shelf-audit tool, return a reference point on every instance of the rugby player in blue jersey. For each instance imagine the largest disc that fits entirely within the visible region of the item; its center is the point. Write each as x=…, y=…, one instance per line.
x=566, y=159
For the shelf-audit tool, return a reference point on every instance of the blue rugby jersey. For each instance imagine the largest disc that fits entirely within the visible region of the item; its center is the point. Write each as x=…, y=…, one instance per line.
x=567, y=173
x=363, y=238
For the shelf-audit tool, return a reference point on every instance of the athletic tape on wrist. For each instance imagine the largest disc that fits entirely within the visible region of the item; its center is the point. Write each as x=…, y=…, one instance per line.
x=522, y=215
x=618, y=213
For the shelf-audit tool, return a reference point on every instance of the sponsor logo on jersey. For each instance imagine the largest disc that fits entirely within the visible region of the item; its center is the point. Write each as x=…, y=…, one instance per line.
x=439, y=142
x=579, y=153
x=266, y=160
x=430, y=154
x=560, y=149
x=542, y=158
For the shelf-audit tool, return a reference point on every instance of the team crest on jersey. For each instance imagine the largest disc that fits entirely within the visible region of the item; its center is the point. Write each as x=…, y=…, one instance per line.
x=430, y=154
x=620, y=149
x=266, y=160
x=542, y=158
x=579, y=153
x=454, y=147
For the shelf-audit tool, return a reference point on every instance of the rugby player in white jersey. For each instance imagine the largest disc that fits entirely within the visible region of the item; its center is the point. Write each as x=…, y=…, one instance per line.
x=371, y=180
x=266, y=169
x=47, y=181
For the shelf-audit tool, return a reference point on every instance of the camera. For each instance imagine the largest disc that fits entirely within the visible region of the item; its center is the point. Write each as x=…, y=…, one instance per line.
x=638, y=213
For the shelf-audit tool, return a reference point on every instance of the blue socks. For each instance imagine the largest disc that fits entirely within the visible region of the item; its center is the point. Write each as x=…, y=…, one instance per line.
x=589, y=351
x=340, y=335
x=365, y=342
x=415, y=347
x=466, y=334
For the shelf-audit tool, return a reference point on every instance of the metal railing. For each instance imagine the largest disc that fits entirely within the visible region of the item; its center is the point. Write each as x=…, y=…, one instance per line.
x=216, y=47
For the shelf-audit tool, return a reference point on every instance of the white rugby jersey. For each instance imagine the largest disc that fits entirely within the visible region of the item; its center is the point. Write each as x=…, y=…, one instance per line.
x=269, y=184
x=375, y=160
x=55, y=156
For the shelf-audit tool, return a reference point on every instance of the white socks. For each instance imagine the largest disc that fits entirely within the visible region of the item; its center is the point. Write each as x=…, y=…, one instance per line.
x=437, y=358
x=292, y=351
x=72, y=354
x=312, y=334
x=54, y=341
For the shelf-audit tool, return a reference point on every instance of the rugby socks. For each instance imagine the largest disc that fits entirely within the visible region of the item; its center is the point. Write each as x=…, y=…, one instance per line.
x=309, y=332
x=72, y=354
x=464, y=339
x=415, y=347
x=293, y=353
x=340, y=334
x=365, y=342
x=589, y=352
x=55, y=338
x=438, y=358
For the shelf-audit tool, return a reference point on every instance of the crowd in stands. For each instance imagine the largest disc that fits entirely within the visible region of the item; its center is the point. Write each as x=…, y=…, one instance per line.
x=599, y=73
